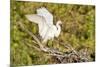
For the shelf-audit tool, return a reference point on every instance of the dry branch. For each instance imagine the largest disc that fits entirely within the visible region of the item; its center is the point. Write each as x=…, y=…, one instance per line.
x=52, y=52
x=45, y=49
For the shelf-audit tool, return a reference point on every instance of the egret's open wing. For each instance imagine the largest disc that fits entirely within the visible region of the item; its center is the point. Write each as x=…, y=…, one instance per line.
x=35, y=18
x=41, y=23
x=46, y=14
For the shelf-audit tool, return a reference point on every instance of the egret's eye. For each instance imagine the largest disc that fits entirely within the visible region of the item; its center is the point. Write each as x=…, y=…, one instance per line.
x=61, y=25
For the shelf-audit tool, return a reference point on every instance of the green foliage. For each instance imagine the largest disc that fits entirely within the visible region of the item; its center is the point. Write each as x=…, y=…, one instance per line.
x=78, y=30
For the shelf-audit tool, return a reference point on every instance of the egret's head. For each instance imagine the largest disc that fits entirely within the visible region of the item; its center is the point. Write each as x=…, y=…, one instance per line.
x=59, y=23
x=58, y=26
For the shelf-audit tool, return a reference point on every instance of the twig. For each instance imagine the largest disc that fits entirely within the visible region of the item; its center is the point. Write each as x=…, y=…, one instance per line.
x=33, y=46
x=48, y=50
x=45, y=49
x=22, y=26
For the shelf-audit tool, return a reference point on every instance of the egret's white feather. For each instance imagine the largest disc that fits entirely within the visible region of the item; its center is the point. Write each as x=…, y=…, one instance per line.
x=46, y=14
x=35, y=18
x=44, y=19
x=43, y=27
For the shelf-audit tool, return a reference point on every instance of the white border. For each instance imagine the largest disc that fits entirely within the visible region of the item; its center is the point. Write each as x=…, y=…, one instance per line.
x=84, y=2
x=5, y=38
x=4, y=33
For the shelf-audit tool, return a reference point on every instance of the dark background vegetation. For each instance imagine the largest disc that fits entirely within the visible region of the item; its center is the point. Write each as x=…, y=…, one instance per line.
x=78, y=30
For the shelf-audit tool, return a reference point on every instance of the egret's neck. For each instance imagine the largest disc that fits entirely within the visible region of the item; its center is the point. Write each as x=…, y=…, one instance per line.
x=58, y=29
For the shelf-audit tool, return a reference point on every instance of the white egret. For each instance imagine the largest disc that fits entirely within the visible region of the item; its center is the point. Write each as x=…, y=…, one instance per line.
x=44, y=19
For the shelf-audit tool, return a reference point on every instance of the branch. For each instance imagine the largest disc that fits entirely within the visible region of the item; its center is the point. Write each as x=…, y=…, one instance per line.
x=49, y=51
x=36, y=39
x=45, y=49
